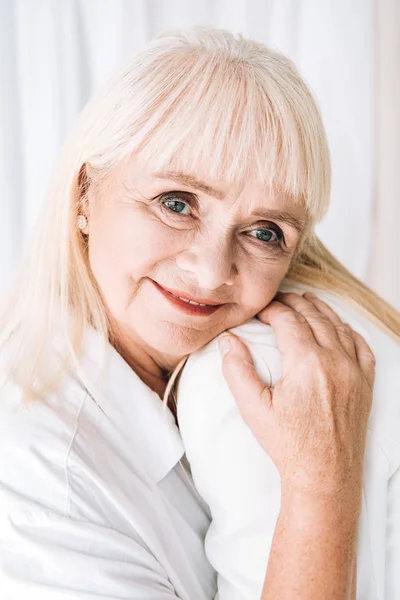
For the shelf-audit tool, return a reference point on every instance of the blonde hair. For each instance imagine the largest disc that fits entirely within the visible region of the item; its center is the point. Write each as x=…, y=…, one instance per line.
x=200, y=100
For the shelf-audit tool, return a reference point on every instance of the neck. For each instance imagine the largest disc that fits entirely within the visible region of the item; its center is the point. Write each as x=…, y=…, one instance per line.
x=154, y=375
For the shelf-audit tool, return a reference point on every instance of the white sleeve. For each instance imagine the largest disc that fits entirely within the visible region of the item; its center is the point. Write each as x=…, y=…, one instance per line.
x=234, y=475
x=46, y=555
x=392, y=571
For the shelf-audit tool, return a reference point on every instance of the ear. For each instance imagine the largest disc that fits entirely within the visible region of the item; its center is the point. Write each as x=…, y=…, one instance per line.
x=83, y=186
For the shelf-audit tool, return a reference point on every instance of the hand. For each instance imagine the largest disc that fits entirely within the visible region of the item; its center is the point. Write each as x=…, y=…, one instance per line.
x=313, y=423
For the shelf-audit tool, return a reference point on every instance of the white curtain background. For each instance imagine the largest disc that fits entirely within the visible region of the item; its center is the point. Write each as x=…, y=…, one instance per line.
x=54, y=54
x=384, y=270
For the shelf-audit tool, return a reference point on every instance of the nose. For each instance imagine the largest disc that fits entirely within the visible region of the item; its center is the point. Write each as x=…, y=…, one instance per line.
x=210, y=262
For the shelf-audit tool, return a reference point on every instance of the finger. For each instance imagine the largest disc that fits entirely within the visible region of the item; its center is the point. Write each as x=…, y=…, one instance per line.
x=343, y=330
x=251, y=394
x=323, y=330
x=292, y=331
x=365, y=357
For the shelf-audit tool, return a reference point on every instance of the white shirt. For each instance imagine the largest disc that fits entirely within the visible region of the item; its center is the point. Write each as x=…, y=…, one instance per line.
x=94, y=502
x=241, y=484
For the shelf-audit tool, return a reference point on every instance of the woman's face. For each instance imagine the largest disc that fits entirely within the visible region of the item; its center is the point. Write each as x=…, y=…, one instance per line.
x=145, y=230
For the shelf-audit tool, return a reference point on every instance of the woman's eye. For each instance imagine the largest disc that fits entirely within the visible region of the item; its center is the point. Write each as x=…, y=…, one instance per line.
x=173, y=203
x=265, y=235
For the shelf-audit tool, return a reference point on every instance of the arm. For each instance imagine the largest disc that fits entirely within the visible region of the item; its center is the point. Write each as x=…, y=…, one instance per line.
x=313, y=553
x=313, y=424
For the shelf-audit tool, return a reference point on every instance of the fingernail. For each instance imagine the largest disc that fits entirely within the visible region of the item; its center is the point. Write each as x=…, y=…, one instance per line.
x=224, y=344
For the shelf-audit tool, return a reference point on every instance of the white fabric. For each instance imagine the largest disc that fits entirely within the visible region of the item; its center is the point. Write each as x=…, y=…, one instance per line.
x=241, y=484
x=93, y=499
x=55, y=55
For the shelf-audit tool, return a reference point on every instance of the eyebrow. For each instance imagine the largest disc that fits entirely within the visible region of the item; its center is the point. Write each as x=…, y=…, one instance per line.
x=265, y=213
x=191, y=181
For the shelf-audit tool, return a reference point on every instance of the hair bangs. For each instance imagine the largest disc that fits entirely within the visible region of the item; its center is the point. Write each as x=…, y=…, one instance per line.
x=215, y=119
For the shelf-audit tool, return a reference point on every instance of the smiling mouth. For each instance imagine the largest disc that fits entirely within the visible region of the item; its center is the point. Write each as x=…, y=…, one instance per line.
x=187, y=306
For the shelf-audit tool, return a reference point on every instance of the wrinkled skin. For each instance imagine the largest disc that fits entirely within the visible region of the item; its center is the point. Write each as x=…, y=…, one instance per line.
x=209, y=251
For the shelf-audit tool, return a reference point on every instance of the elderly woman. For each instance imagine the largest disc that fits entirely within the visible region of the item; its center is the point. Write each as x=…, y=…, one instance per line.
x=184, y=197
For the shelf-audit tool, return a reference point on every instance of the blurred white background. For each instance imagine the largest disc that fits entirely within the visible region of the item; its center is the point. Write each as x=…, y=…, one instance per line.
x=55, y=53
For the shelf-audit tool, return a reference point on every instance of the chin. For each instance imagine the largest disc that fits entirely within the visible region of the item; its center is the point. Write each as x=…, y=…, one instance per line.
x=176, y=342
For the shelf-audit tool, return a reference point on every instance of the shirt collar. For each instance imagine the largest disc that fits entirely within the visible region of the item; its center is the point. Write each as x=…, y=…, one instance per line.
x=136, y=409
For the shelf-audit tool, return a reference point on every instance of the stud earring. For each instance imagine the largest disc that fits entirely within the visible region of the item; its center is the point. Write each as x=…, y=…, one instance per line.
x=81, y=222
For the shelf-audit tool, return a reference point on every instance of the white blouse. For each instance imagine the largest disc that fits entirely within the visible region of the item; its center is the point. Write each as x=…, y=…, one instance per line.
x=241, y=484
x=96, y=496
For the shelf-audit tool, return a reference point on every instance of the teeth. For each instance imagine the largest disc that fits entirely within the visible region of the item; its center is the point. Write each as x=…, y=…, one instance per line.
x=191, y=302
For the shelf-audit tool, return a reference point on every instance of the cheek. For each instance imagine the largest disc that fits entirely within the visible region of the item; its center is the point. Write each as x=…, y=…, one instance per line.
x=125, y=246
x=261, y=284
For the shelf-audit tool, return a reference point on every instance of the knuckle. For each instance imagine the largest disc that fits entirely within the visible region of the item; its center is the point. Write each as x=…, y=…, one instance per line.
x=318, y=318
x=233, y=369
x=293, y=318
x=344, y=329
x=347, y=376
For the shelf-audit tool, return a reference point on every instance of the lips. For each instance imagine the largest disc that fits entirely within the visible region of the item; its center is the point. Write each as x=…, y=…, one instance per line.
x=179, y=294
x=186, y=307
